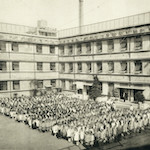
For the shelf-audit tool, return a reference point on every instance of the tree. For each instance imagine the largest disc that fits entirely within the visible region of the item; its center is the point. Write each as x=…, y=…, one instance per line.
x=139, y=97
x=34, y=86
x=95, y=90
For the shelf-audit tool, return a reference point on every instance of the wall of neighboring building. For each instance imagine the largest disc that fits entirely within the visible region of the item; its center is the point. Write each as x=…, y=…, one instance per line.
x=132, y=54
x=27, y=57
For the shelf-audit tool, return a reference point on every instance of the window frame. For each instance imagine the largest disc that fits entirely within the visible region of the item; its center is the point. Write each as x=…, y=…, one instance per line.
x=39, y=82
x=39, y=65
x=110, y=43
x=14, y=47
x=52, y=49
x=16, y=83
x=15, y=63
x=39, y=49
x=52, y=66
x=3, y=66
x=3, y=87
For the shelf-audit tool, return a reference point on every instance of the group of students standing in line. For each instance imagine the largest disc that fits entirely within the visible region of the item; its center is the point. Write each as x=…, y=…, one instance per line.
x=86, y=122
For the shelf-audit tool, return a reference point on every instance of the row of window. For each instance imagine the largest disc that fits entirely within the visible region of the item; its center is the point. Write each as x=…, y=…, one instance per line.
x=3, y=85
x=15, y=66
x=123, y=64
x=110, y=43
x=123, y=67
x=15, y=47
x=16, y=84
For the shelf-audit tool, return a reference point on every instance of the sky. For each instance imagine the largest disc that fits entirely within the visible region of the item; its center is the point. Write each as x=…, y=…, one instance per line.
x=62, y=14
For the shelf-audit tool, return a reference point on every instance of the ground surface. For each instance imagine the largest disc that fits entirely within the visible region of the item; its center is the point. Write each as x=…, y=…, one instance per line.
x=18, y=136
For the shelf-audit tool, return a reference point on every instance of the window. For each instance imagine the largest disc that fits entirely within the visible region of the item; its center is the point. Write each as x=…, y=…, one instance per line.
x=79, y=67
x=138, y=43
x=70, y=85
x=79, y=49
x=111, y=89
x=70, y=67
x=52, y=66
x=15, y=66
x=40, y=84
x=99, y=67
x=110, y=66
x=3, y=85
x=99, y=47
x=3, y=66
x=101, y=87
x=70, y=50
x=15, y=47
x=62, y=51
x=52, y=49
x=123, y=44
x=16, y=85
x=62, y=67
x=63, y=84
x=39, y=48
x=138, y=66
x=89, y=69
x=53, y=83
x=124, y=66
x=39, y=66
x=2, y=46
x=110, y=45
x=88, y=48
x=80, y=91
x=74, y=87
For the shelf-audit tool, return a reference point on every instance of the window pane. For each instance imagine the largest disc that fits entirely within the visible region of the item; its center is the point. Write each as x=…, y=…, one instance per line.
x=52, y=66
x=3, y=66
x=39, y=48
x=40, y=84
x=99, y=47
x=53, y=83
x=52, y=49
x=138, y=43
x=15, y=66
x=88, y=48
x=3, y=85
x=39, y=66
x=2, y=46
x=99, y=67
x=16, y=85
x=123, y=44
x=110, y=45
x=70, y=67
x=79, y=50
x=111, y=66
x=79, y=67
x=15, y=47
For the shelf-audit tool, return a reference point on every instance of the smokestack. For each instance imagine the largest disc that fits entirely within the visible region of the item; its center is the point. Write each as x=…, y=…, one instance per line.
x=80, y=15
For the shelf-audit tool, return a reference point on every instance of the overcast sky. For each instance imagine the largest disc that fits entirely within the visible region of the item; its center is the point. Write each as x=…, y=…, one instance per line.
x=63, y=14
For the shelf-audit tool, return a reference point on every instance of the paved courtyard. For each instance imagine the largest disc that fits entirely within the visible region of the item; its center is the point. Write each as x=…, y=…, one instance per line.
x=18, y=136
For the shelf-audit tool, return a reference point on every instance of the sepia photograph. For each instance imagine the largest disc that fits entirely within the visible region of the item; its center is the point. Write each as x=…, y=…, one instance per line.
x=74, y=74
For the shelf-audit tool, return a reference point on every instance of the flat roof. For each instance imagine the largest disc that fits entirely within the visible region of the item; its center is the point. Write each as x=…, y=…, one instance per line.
x=125, y=22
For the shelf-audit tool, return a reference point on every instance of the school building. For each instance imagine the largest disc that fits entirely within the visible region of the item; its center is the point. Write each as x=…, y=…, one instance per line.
x=117, y=51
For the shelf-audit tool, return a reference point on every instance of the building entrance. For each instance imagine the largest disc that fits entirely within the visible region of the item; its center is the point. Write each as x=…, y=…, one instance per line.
x=124, y=94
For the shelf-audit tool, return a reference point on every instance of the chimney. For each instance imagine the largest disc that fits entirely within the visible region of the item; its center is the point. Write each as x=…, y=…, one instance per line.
x=80, y=15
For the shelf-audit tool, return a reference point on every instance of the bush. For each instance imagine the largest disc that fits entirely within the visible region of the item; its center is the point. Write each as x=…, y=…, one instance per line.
x=139, y=97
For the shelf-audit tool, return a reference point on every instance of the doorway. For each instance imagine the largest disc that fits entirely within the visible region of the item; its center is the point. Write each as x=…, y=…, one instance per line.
x=124, y=94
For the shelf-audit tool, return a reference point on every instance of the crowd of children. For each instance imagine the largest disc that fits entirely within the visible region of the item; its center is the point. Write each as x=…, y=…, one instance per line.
x=86, y=122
